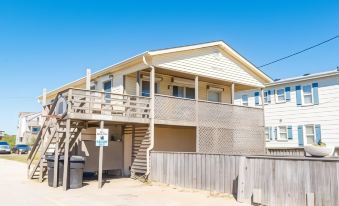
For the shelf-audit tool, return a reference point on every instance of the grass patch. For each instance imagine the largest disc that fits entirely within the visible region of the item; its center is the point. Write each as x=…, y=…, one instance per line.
x=15, y=157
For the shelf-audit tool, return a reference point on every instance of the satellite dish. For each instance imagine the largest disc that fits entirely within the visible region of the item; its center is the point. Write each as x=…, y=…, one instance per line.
x=61, y=107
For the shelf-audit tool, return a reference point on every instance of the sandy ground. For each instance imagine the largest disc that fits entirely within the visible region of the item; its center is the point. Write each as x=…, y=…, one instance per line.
x=16, y=189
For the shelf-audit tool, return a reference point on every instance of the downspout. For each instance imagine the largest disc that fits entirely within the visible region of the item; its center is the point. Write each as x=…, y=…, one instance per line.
x=152, y=89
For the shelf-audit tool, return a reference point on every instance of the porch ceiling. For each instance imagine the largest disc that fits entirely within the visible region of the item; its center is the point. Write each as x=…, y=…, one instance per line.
x=168, y=72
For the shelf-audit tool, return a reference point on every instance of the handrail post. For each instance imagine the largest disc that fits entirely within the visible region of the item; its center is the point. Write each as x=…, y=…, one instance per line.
x=69, y=102
x=196, y=89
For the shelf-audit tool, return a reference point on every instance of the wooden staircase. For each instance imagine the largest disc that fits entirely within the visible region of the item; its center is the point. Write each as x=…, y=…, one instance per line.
x=51, y=136
x=140, y=144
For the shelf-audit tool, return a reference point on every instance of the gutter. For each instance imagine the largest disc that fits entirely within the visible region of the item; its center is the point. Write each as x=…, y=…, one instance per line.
x=151, y=146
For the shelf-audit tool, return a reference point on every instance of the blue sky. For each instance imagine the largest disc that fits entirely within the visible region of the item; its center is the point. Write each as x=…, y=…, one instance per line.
x=48, y=43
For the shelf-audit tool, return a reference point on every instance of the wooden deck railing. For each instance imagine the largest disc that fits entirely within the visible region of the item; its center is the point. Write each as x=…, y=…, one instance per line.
x=85, y=104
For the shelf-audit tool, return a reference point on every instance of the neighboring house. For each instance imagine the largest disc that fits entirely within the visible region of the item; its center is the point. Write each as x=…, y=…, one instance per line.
x=177, y=99
x=2, y=134
x=299, y=111
x=29, y=125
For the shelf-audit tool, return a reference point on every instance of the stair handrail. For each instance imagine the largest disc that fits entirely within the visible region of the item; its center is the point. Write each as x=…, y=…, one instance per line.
x=36, y=144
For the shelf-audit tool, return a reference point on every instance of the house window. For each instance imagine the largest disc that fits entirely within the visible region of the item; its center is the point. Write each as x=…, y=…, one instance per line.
x=190, y=93
x=92, y=87
x=307, y=91
x=281, y=95
x=309, y=134
x=107, y=86
x=282, y=133
x=145, y=88
x=35, y=130
x=244, y=100
x=214, y=96
x=267, y=133
x=184, y=92
x=266, y=97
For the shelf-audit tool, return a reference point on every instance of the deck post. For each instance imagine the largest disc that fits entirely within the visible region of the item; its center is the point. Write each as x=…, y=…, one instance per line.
x=101, y=149
x=232, y=93
x=56, y=162
x=44, y=114
x=66, y=155
x=196, y=90
x=88, y=79
x=137, y=84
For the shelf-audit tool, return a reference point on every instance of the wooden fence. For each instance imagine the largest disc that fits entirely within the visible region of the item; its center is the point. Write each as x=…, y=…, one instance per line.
x=268, y=180
x=296, y=151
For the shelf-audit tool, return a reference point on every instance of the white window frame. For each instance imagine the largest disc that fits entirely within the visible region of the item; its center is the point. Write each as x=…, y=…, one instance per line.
x=306, y=135
x=277, y=96
x=244, y=103
x=184, y=87
x=303, y=95
x=266, y=97
x=268, y=133
x=279, y=133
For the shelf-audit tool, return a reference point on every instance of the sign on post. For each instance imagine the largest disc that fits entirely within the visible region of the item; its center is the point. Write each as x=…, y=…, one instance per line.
x=101, y=137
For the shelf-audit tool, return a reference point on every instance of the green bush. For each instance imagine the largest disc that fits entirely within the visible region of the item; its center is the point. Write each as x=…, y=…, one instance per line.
x=10, y=139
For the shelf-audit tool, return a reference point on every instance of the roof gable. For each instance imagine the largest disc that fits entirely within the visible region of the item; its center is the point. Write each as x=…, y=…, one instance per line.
x=212, y=62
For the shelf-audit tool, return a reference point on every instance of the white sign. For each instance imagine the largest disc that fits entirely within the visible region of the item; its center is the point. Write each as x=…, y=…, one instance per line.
x=101, y=137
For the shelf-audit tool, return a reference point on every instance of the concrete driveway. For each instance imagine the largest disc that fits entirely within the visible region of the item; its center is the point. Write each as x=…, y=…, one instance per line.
x=15, y=189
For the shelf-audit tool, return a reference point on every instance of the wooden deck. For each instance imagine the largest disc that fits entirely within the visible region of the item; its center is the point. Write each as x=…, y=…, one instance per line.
x=103, y=106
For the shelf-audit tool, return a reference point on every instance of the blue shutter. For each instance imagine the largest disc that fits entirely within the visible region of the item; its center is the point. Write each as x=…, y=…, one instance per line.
x=300, y=135
x=288, y=94
x=275, y=133
x=315, y=93
x=289, y=132
x=256, y=95
x=298, y=94
x=269, y=96
x=271, y=133
x=317, y=133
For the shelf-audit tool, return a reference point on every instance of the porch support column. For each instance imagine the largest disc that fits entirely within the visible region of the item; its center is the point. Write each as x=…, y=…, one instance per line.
x=66, y=155
x=137, y=84
x=56, y=162
x=152, y=96
x=88, y=79
x=196, y=89
x=101, y=153
x=263, y=113
x=44, y=115
x=232, y=93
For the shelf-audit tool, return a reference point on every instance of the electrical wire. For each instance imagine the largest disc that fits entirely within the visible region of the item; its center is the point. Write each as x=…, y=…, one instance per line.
x=296, y=53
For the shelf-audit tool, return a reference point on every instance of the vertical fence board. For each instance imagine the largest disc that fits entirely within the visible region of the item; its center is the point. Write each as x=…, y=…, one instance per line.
x=280, y=180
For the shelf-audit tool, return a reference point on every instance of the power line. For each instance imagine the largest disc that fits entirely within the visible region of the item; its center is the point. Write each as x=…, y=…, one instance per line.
x=278, y=60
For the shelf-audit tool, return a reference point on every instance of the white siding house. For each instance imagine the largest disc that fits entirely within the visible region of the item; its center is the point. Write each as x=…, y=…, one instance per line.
x=299, y=111
x=29, y=125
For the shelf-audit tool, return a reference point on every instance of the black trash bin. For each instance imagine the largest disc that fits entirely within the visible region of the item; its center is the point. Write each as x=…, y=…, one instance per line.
x=50, y=169
x=77, y=164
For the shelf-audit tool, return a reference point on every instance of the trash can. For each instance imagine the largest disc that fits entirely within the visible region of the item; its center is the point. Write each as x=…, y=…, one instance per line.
x=50, y=169
x=77, y=164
